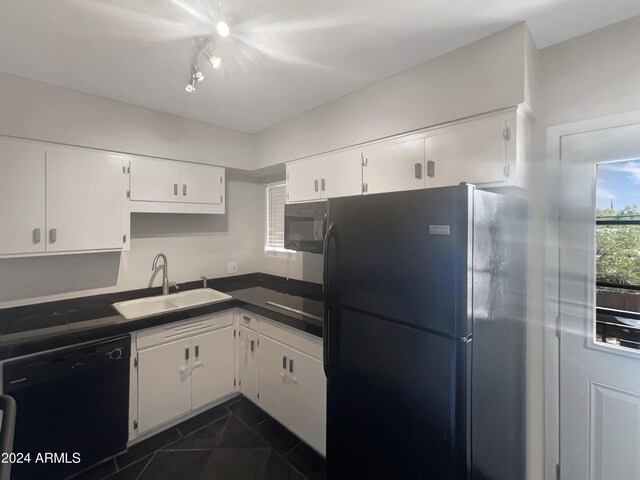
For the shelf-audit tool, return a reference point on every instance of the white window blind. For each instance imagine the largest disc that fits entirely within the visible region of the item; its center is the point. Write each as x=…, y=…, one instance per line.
x=275, y=217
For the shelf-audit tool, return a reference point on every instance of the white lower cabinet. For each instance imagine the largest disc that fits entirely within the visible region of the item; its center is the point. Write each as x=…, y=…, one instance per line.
x=292, y=388
x=248, y=363
x=182, y=367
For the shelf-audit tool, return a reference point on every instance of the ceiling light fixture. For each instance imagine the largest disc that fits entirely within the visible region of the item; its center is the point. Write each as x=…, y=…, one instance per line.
x=223, y=29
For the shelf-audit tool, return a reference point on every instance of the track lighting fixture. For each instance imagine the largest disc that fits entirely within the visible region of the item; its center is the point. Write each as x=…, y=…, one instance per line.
x=223, y=29
x=206, y=51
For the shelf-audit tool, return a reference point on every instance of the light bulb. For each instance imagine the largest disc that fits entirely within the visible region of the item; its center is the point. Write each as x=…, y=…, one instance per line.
x=190, y=88
x=215, y=61
x=223, y=29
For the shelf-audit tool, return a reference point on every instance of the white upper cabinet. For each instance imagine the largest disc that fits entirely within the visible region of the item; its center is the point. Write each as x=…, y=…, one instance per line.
x=154, y=181
x=333, y=175
x=201, y=184
x=86, y=194
x=161, y=186
x=474, y=152
x=22, y=196
x=393, y=166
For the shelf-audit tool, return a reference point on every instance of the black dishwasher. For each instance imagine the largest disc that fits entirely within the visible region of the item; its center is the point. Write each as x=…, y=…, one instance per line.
x=72, y=407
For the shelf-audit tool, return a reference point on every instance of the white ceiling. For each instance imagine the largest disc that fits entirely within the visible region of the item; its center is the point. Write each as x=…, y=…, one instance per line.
x=283, y=57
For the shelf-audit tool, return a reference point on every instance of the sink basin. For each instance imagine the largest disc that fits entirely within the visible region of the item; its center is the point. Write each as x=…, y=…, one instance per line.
x=146, y=307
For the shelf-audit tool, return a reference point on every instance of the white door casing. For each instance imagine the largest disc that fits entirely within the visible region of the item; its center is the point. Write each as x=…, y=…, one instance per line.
x=599, y=384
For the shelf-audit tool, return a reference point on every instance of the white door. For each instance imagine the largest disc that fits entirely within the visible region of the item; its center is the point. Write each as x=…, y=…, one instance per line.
x=201, y=184
x=154, y=181
x=86, y=194
x=599, y=383
x=22, y=196
x=394, y=166
x=306, y=388
x=341, y=174
x=248, y=363
x=303, y=180
x=473, y=152
x=164, y=383
x=213, y=366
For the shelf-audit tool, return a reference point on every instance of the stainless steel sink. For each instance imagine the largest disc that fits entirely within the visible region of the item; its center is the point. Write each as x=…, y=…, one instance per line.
x=146, y=307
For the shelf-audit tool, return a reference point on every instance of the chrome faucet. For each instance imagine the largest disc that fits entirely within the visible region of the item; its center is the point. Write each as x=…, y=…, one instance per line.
x=166, y=284
x=204, y=282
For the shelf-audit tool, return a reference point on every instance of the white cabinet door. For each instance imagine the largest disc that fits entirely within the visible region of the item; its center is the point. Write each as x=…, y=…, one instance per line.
x=394, y=166
x=154, y=181
x=472, y=152
x=201, y=184
x=164, y=383
x=341, y=174
x=272, y=384
x=22, y=196
x=303, y=180
x=248, y=363
x=213, y=366
x=86, y=195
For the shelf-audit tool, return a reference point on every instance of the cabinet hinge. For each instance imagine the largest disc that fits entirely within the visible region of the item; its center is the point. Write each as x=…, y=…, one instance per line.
x=240, y=382
x=128, y=193
x=234, y=333
x=135, y=424
x=129, y=169
x=124, y=238
x=287, y=196
x=220, y=198
x=365, y=187
x=124, y=169
x=135, y=362
x=220, y=179
x=506, y=134
x=234, y=382
x=287, y=175
x=365, y=159
x=258, y=395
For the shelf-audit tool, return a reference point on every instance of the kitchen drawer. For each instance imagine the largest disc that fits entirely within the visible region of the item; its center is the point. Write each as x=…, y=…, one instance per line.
x=179, y=330
x=301, y=341
x=248, y=320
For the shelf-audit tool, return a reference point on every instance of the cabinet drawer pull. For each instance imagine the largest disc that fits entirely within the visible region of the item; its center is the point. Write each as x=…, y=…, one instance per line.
x=291, y=365
x=53, y=235
x=431, y=169
x=418, y=172
x=36, y=235
x=246, y=319
x=175, y=189
x=284, y=363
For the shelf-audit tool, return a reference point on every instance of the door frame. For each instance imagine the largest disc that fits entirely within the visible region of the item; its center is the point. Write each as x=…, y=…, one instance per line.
x=551, y=319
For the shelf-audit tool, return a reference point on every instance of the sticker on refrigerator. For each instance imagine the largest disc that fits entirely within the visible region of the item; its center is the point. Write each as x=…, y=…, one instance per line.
x=439, y=230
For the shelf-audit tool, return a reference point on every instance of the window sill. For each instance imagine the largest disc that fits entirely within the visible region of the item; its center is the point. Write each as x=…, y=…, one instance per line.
x=279, y=253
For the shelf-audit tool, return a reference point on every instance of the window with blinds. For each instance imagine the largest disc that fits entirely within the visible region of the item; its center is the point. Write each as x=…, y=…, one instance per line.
x=276, y=195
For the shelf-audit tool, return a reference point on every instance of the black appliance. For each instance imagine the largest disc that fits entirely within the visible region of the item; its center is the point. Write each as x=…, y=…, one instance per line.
x=304, y=225
x=69, y=401
x=424, y=335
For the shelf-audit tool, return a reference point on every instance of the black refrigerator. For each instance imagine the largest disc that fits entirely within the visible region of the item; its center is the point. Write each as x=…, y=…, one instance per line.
x=424, y=335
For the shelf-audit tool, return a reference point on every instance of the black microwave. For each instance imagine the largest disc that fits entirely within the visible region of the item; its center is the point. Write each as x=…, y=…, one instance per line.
x=304, y=225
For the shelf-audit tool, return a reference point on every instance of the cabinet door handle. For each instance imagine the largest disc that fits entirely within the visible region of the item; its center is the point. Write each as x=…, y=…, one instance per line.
x=53, y=235
x=315, y=185
x=284, y=362
x=431, y=169
x=184, y=189
x=186, y=353
x=418, y=172
x=253, y=345
x=175, y=189
x=291, y=365
x=322, y=184
x=197, y=351
x=36, y=235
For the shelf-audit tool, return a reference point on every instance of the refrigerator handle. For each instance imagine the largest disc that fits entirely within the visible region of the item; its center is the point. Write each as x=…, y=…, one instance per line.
x=326, y=336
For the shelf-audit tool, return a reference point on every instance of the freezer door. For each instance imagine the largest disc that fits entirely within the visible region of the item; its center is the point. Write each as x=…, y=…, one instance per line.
x=403, y=256
x=397, y=402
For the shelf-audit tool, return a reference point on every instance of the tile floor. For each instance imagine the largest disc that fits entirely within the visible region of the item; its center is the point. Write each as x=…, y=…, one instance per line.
x=233, y=441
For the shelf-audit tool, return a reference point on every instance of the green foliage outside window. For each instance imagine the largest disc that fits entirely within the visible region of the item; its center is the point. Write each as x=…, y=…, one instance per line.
x=618, y=247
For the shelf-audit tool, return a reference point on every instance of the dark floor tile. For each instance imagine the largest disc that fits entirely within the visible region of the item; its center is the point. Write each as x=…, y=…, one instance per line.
x=98, y=472
x=237, y=435
x=237, y=464
x=278, y=469
x=307, y=461
x=178, y=465
x=204, y=418
x=132, y=472
x=203, y=439
x=231, y=401
x=276, y=435
x=148, y=446
x=248, y=412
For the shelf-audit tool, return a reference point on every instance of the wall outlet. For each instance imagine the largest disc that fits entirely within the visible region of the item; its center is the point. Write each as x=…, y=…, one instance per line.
x=232, y=267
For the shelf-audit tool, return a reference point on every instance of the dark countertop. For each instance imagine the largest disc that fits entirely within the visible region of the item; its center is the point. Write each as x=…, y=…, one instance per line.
x=44, y=326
